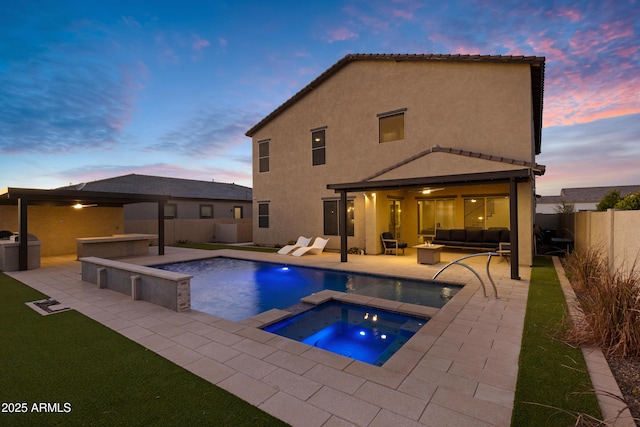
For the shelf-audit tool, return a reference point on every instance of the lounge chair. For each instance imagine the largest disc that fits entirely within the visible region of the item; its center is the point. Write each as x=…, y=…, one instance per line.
x=315, y=249
x=300, y=243
x=391, y=244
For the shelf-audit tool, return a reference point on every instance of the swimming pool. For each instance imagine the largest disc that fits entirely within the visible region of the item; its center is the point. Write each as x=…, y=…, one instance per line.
x=362, y=333
x=237, y=289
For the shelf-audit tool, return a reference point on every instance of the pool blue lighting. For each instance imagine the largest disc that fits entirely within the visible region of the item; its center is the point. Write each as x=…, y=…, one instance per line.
x=237, y=289
x=342, y=329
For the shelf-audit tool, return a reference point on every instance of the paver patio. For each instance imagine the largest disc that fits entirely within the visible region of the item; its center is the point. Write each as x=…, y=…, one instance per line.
x=459, y=369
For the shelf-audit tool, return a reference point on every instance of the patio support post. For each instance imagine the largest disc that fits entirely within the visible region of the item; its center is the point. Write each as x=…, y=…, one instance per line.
x=23, y=245
x=160, y=227
x=343, y=226
x=513, y=235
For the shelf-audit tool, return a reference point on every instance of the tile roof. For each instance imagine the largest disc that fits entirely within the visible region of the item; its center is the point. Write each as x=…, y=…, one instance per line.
x=537, y=64
x=176, y=188
x=588, y=194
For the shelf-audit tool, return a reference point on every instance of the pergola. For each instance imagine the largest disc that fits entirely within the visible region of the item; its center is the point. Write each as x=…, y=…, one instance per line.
x=512, y=177
x=25, y=197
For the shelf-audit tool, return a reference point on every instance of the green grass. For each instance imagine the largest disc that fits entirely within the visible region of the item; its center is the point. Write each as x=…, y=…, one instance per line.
x=104, y=377
x=214, y=246
x=553, y=385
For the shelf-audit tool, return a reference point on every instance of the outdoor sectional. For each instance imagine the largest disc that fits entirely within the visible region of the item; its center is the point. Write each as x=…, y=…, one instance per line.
x=471, y=239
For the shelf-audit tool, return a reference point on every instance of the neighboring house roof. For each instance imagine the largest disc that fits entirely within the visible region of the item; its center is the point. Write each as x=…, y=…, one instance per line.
x=176, y=188
x=587, y=194
x=537, y=80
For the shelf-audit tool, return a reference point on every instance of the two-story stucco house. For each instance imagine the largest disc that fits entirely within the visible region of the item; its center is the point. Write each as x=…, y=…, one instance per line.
x=403, y=143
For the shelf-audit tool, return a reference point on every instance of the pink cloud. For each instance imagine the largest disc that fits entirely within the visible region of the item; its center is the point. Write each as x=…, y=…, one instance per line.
x=626, y=52
x=376, y=24
x=341, y=34
x=616, y=30
x=548, y=47
x=589, y=91
x=199, y=43
x=404, y=14
x=222, y=42
x=573, y=15
x=405, y=9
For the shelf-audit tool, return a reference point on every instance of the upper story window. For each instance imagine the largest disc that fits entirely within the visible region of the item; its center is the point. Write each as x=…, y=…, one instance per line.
x=391, y=125
x=318, y=150
x=263, y=155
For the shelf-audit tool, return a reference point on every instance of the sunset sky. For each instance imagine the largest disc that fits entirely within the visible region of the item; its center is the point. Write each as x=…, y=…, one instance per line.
x=97, y=89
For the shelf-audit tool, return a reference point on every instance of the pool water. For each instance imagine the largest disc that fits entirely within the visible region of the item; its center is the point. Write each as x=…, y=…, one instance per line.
x=362, y=333
x=237, y=289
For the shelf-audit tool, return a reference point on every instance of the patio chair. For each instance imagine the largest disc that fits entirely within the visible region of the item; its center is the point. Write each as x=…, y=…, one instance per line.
x=315, y=249
x=391, y=244
x=504, y=250
x=300, y=243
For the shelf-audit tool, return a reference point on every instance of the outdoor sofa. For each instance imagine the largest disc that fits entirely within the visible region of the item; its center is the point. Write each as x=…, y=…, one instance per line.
x=472, y=238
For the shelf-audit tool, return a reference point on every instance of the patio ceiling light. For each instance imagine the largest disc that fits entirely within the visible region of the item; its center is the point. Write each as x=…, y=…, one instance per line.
x=80, y=206
x=431, y=190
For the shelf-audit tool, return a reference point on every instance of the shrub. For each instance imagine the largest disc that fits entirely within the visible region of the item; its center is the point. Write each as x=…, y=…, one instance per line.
x=630, y=202
x=584, y=267
x=609, y=200
x=610, y=306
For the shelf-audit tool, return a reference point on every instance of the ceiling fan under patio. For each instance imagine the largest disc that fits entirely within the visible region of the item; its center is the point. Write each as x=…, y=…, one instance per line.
x=430, y=190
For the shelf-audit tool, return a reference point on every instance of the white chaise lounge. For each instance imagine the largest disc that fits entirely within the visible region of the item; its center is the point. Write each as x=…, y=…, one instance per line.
x=315, y=249
x=300, y=243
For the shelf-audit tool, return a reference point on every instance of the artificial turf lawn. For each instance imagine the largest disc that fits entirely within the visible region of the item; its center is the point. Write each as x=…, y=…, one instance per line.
x=91, y=375
x=551, y=373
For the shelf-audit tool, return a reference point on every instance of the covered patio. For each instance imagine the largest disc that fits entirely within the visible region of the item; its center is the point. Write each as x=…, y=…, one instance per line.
x=24, y=198
x=516, y=181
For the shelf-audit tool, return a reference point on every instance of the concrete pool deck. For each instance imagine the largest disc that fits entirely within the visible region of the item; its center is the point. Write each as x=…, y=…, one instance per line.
x=459, y=369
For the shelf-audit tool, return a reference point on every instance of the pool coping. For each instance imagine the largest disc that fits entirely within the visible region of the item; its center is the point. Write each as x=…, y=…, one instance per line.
x=274, y=315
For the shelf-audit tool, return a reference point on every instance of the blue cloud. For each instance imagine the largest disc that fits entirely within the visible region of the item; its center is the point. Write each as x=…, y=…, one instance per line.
x=61, y=89
x=208, y=132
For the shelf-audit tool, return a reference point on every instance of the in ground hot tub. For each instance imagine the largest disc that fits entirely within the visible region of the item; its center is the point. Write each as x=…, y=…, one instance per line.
x=366, y=334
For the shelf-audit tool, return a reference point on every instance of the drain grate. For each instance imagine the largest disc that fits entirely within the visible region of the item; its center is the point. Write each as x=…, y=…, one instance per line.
x=48, y=306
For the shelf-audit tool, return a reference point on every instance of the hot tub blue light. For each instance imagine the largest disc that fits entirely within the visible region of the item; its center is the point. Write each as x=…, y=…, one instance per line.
x=350, y=330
